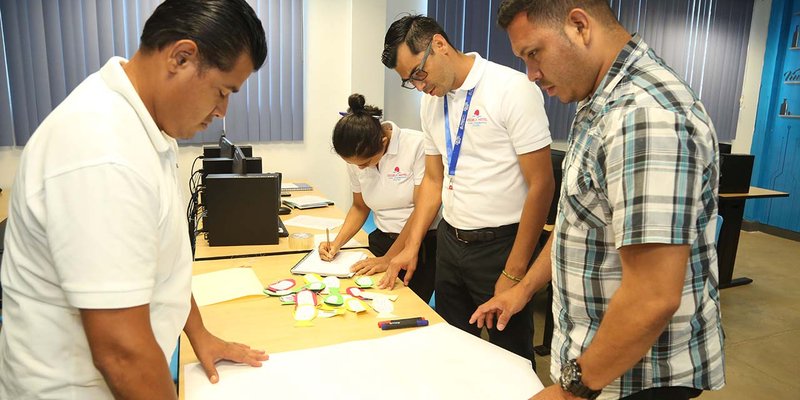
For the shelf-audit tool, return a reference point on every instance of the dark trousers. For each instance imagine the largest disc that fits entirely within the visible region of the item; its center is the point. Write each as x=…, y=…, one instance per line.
x=425, y=274
x=465, y=278
x=666, y=393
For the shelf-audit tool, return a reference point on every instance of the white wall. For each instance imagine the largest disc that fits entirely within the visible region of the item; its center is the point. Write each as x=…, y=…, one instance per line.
x=751, y=85
x=401, y=105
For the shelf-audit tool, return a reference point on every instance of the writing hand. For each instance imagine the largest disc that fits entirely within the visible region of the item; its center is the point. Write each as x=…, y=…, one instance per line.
x=327, y=251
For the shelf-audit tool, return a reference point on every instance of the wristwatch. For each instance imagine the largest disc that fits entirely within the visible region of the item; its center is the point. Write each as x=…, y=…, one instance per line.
x=571, y=381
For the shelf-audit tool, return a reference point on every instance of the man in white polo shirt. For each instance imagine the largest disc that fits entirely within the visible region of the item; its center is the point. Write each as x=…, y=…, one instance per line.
x=487, y=134
x=97, y=269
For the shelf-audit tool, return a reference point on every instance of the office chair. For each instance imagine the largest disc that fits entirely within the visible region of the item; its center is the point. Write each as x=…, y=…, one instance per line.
x=174, y=363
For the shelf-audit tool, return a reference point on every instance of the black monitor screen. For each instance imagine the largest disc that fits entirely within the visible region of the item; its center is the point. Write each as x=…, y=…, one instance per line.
x=225, y=147
x=239, y=163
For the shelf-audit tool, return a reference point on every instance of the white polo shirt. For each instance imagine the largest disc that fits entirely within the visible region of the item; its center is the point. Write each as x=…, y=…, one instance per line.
x=96, y=222
x=506, y=118
x=388, y=190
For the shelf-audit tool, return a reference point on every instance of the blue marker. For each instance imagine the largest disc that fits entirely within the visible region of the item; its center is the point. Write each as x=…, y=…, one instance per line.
x=411, y=323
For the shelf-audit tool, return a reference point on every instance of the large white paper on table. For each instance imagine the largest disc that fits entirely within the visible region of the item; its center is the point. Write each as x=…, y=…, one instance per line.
x=319, y=223
x=339, y=266
x=321, y=237
x=228, y=284
x=435, y=362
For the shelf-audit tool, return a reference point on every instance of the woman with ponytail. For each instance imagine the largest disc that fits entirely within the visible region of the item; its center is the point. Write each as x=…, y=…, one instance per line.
x=386, y=165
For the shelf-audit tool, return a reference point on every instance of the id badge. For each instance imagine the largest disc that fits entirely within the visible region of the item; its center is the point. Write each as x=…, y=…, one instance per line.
x=447, y=200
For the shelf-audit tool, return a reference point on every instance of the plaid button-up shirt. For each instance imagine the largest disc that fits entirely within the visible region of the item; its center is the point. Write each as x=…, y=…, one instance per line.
x=642, y=167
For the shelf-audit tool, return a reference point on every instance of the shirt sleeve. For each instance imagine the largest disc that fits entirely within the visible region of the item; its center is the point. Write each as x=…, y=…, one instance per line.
x=352, y=173
x=655, y=173
x=102, y=229
x=524, y=115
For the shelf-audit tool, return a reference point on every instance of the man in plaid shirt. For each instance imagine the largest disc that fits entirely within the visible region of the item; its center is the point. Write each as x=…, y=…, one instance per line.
x=632, y=256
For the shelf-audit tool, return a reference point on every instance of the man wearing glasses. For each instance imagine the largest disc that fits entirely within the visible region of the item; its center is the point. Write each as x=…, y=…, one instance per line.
x=487, y=147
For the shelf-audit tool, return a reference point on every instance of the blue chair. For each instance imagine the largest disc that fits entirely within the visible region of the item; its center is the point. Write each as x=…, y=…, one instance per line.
x=369, y=224
x=174, y=364
x=432, y=302
x=720, y=220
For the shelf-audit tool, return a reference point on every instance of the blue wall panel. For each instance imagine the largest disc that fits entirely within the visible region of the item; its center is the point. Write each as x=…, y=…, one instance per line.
x=776, y=140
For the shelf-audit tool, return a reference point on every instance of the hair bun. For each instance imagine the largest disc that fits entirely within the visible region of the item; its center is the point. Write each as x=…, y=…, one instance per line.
x=356, y=102
x=358, y=105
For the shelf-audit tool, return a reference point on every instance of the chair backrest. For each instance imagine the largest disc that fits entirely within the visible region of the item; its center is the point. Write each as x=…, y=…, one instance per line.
x=557, y=158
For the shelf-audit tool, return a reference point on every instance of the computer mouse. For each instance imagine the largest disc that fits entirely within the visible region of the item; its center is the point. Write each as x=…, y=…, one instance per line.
x=284, y=210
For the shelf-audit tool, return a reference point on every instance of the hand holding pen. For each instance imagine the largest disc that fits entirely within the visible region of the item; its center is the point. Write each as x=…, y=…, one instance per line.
x=327, y=251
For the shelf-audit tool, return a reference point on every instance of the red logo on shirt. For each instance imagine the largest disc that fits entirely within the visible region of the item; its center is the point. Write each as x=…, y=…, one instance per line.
x=397, y=176
x=476, y=120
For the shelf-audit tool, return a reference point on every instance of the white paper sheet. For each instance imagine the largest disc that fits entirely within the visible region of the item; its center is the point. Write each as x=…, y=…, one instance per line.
x=228, y=284
x=319, y=223
x=435, y=362
x=339, y=266
x=320, y=237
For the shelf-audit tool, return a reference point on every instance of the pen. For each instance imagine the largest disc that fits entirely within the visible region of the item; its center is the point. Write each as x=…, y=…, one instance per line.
x=404, y=324
x=328, y=236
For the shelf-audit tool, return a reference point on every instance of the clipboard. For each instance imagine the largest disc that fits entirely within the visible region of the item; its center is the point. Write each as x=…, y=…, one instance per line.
x=311, y=263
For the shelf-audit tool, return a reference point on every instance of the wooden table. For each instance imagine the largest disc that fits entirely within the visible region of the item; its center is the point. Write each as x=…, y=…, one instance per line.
x=4, y=199
x=731, y=208
x=261, y=322
x=205, y=252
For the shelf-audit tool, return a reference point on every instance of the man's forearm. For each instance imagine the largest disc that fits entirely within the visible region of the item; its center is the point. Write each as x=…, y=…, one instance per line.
x=126, y=353
x=425, y=210
x=194, y=323
x=540, y=272
x=140, y=374
x=534, y=215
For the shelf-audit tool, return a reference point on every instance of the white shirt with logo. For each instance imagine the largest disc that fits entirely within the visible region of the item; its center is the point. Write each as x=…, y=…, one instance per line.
x=388, y=189
x=97, y=221
x=506, y=118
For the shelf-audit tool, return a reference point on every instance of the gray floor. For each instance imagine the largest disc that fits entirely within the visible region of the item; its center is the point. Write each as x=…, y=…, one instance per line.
x=761, y=321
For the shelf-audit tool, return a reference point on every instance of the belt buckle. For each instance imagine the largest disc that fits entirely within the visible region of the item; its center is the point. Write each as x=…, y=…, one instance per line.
x=459, y=237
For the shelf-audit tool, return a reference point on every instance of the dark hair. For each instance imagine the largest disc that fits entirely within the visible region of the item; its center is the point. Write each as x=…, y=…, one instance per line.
x=222, y=30
x=359, y=132
x=416, y=31
x=552, y=11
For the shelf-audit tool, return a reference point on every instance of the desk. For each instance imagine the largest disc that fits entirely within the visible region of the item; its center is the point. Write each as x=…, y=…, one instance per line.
x=4, y=199
x=205, y=252
x=731, y=208
x=263, y=323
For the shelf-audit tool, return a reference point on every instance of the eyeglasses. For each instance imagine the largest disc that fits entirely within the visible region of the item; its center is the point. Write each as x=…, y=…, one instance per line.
x=418, y=74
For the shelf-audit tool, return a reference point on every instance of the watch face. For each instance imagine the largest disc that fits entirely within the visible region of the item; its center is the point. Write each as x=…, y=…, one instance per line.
x=569, y=374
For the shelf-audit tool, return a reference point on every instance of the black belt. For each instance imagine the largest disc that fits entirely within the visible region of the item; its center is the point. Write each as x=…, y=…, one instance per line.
x=394, y=236
x=483, y=234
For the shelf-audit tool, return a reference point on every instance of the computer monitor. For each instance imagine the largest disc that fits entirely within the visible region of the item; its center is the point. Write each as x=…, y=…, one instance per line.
x=239, y=162
x=225, y=147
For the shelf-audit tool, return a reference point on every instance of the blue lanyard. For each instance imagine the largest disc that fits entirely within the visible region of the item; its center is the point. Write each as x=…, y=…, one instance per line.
x=454, y=151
